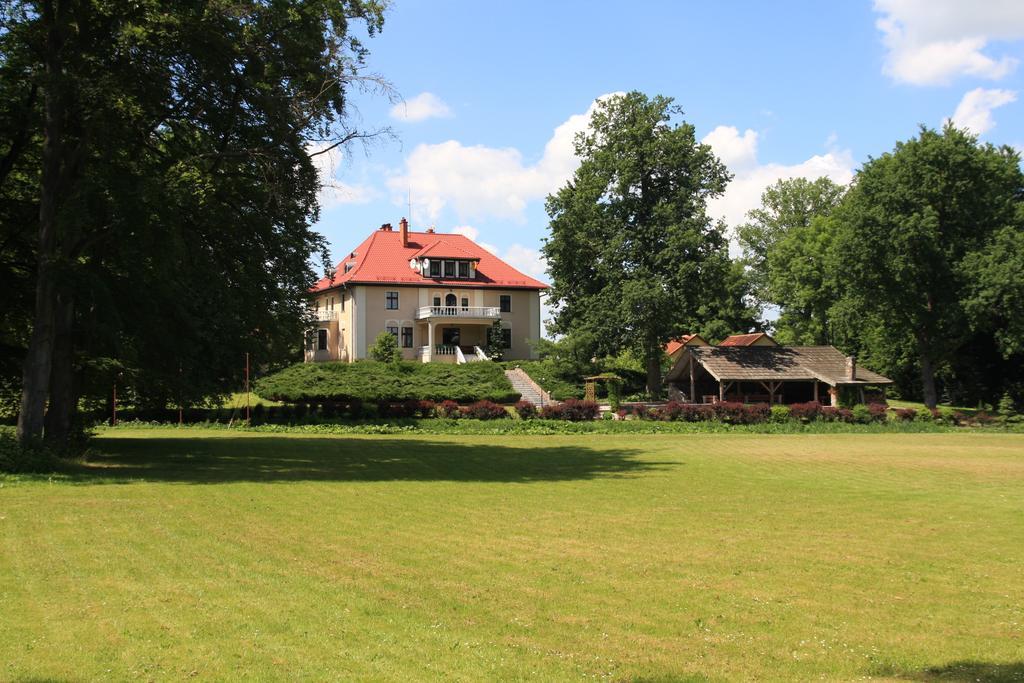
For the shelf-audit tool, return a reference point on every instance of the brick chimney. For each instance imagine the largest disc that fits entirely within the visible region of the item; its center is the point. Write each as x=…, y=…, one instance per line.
x=851, y=367
x=386, y=227
x=403, y=227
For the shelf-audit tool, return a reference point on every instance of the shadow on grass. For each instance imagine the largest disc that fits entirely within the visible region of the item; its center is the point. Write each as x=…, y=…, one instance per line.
x=229, y=459
x=963, y=671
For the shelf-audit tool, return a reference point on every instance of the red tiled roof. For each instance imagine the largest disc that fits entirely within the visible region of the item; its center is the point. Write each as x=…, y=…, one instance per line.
x=381, y=259
x=743, y=339
x=677, y=344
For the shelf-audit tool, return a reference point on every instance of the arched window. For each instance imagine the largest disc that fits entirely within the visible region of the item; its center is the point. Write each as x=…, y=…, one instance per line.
x=450, y=300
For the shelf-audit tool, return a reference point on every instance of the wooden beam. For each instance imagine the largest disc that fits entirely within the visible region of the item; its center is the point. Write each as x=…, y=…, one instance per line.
x=693, y=380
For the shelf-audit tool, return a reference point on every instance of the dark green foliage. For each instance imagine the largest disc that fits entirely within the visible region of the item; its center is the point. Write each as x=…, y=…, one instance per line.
x=786, y=248
x=168, y=216
x=919, y=240
x=372, y=381
x=634, y=258
x=19, y=458
x=385, y=349
x=495, y=342
x=526, y=410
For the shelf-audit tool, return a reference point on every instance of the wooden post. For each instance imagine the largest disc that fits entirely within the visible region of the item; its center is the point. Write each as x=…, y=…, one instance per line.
x=721, y=391
x=693, y=381
x=815, y=391
x=862, y=399
x=833, y=396
x=247, y=387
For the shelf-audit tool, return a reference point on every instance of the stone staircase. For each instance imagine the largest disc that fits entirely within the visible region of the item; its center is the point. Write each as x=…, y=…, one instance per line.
x=530, y=390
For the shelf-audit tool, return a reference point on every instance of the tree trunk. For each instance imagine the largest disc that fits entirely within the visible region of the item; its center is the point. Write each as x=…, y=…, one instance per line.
x=36, y=374
x=62, y=407
x=654, y=372
x=931, y=398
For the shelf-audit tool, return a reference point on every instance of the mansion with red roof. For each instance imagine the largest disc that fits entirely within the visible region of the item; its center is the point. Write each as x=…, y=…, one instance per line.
x=438, y=293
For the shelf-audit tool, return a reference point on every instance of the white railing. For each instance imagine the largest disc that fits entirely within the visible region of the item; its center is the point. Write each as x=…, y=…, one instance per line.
x=325, y=314
x=458, y=312
x=480, y=353
x=423, y=354
x=460, y=357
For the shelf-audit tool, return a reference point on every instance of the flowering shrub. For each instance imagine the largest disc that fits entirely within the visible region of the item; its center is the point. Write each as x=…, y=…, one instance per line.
x=425, y=408
x=698, y=412
x=484, y=410
x=878, y=411
x=834, y=414
x=526, y=410
x=639, y=411
x=805, y=412
x=552, y=411
x=447, y=409
x=578, y=411
x=905, y=414
x=668, y=412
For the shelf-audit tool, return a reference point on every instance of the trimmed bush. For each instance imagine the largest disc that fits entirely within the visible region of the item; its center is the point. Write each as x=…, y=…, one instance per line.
x=780, y=414
x=447, y=409
x=805, y=412
x=393, y=382
x=905, y=414
x=526, y=410
x=484, y=410
x=552, y=411
x=578, y=411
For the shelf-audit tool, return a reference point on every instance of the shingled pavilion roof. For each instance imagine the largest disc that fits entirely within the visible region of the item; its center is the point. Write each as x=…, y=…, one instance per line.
x=776, y=363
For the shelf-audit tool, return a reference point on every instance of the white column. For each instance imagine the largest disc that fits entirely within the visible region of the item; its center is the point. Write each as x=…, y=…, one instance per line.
x=430, y=340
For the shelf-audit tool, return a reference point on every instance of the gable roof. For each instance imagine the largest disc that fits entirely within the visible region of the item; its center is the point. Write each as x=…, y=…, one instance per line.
x=746, y=339
x=685, y=340
x=773, y=363
x=381, y=259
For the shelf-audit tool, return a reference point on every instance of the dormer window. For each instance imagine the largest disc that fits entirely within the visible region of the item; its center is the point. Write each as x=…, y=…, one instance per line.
x=448, y=268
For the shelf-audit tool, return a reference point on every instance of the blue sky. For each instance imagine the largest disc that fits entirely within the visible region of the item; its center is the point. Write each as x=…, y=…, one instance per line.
x=493, y=94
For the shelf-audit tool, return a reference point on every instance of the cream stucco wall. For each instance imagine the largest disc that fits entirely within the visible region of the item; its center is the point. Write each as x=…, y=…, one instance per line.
x=367, y=316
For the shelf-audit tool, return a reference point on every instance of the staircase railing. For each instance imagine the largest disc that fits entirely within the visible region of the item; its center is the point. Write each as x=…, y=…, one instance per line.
x=459, y=356
x=480, y=353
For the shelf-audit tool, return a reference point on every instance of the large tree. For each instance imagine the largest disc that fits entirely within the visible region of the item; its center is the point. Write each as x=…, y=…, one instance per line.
x=634, y=257
x=174, y=192
x=787, y=250
x=921, y=241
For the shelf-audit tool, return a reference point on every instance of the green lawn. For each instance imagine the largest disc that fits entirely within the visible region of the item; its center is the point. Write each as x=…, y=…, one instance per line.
x=639, y=557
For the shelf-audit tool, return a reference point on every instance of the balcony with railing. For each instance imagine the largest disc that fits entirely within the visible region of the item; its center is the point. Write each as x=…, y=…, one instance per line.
x=323, y=315
x=487, y=312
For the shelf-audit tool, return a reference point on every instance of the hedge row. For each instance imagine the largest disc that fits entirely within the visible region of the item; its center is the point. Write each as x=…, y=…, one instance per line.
x=370, y=381
x=757, y=413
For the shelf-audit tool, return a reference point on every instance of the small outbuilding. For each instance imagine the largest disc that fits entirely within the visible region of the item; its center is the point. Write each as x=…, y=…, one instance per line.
x=761, y=372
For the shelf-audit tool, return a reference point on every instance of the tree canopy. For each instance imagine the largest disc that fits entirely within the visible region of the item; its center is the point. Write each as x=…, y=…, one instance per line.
x=162, y=187
x=634, y=258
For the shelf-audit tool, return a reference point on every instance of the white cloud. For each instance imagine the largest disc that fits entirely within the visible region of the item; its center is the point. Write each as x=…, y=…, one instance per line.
x=478, y=181
x=474, y=234
x=751, y=178
x=930, y=42
x=526, y=260
x=975, y=109
x=334, y=192
x=424, y=106
x=736, y=151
